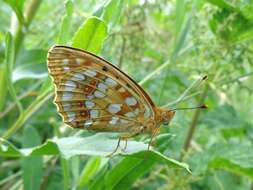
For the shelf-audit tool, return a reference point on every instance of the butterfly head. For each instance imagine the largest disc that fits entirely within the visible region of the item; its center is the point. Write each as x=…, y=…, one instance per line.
x=164, y=116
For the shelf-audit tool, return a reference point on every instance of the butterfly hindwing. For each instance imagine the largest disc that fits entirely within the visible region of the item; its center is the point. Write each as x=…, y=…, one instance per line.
x=93, y=94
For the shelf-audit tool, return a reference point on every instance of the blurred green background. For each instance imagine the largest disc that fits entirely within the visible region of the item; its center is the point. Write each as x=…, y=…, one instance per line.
x=163, y=45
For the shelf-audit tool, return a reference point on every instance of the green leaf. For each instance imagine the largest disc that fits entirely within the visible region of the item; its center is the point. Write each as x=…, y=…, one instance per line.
x=221, y=4
x=31, y=165
x=91, y=35
x=3, y=85
x=89, y=170
x=29, y=71
x=100, y=144
x=112, y=12
x=31, y=64
x=231, y=26
x=66, y=23
x=233, y=158
x=10, y=57
x=131, y=168
x=17, y=7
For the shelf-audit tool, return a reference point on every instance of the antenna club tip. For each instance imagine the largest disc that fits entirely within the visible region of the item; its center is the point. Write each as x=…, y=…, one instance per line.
x=204, y=106
x=204, y=77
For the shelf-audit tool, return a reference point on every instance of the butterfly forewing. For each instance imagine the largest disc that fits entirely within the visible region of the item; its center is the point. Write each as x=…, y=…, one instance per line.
x=93, y=94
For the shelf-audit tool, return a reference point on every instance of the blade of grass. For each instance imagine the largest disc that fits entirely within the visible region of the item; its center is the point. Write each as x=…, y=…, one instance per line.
x=179, y=42
x=185, y=94
x=10, y=57
x=64, y=34
x=3, y=85
x=65, y=173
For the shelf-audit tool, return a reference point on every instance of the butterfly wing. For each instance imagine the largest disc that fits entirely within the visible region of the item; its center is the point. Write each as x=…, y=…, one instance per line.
x=93, y=94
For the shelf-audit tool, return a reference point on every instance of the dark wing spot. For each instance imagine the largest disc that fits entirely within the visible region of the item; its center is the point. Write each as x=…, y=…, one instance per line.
x=105, y=68
x=128, y=85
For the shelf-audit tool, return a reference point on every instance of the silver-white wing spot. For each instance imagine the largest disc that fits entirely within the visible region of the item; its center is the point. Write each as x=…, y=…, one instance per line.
x=67, y=96
x=114, y=108
x=99, y=94
x=114, y=120
x=78, y=77
x=94, y=113
x=130, y=114
x=147, y=112
x=78, y=61
x=89, y=104
x=136, y=111
x=70, y=85
x=102, y=87
x=66, y=68
x=131, y=101
x=65, y=61
x=110, y=82
x=90, y=73
x=124, y=121
x=71, y=116
x=66, y=106
x=90, y=97
x=88, y=123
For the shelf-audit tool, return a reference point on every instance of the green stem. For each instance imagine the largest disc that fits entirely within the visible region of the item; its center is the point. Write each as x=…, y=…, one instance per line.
x=27, y=113
x=21, y=29
x=192, y=128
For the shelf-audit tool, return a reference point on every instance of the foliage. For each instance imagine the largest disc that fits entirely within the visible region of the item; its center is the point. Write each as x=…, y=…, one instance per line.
x=165, y=46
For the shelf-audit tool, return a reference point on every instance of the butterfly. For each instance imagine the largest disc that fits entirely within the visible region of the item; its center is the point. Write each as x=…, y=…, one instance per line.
x=93, y=94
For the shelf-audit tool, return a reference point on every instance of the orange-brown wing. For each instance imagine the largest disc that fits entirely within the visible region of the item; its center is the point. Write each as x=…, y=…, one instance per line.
x=93, y=94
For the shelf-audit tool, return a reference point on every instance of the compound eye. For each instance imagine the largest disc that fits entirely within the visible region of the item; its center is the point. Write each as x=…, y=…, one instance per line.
x=166, y=123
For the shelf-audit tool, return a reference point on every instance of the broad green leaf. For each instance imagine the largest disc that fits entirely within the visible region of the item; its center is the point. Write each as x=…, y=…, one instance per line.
x=128, y=170
x=96, y=145
x=233, y=158
x=112, y=12
x=8, y=150
x=31, y=165
x=29, y=71
x=32, y=56
x=31, y=64
x=91, y=35
x=231, y=26
x=66, y=23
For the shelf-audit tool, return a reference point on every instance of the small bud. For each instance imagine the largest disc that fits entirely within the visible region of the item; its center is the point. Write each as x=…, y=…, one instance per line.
x=205, y=77
x=204, y=106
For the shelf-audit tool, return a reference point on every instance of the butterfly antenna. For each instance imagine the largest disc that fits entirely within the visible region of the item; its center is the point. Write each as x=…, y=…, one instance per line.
x=204, y=106
x=184, y=95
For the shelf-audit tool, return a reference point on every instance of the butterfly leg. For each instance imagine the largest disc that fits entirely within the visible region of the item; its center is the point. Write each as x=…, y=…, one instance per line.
x=115, y=150
x=131, y=135
x=125, y=137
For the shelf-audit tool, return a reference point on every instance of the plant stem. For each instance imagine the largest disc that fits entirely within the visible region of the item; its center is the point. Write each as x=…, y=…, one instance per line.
x=122, y=52
x=191, y=130
x=21, y=29
x=27, y=114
